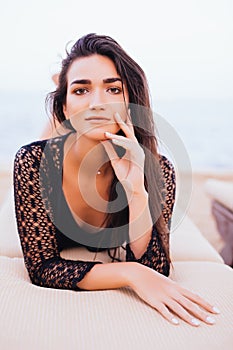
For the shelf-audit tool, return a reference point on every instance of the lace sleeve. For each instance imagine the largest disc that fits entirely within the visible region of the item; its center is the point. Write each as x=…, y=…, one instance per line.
x=169, y=191
x=37, y=233
x=154, y=256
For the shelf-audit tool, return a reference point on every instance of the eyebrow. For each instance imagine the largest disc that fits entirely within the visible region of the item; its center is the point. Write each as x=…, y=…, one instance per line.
x=87, y=81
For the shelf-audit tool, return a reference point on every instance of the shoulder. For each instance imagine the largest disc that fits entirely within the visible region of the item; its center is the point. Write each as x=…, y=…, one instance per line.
x=31, y=150
x=167, y=167
x=30, y=147
x=35, y=149
x=168, y=190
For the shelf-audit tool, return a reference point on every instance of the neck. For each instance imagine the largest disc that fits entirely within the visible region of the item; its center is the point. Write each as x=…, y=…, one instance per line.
x=86, y=155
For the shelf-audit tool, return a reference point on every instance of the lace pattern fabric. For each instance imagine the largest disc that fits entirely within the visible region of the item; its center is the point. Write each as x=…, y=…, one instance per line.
x=38, y=234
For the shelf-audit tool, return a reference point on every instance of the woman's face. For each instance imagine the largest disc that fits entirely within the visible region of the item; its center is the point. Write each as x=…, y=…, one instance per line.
x=94, y=95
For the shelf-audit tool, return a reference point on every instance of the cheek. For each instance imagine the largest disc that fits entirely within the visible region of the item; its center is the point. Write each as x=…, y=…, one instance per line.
x=113, y=129
x=73, y=106
x=120, y=108
x=123, y=113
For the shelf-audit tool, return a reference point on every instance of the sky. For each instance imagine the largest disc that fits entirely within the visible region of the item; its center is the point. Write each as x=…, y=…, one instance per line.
x=184, y=46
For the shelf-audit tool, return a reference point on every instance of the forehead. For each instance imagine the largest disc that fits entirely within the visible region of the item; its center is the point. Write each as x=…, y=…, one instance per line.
x=92, y=67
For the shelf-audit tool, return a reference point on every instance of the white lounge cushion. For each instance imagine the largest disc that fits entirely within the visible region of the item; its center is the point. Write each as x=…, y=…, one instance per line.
x=38, y=318
x=188, y=244
x=222, y=191
x=9, y=238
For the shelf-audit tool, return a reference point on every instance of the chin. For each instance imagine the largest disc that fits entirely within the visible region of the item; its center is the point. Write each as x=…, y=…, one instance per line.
x=98, y=133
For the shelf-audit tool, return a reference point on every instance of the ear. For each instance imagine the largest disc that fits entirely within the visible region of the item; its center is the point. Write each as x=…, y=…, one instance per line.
x=55, y=78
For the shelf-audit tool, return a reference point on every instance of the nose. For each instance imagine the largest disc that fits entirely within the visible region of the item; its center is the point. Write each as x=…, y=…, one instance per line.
x=97, y=101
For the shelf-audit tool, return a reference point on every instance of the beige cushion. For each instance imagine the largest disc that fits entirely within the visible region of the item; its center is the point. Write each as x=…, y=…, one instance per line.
x=187, y=243
x=38, y=318
x=222, y=191
x=9, y=238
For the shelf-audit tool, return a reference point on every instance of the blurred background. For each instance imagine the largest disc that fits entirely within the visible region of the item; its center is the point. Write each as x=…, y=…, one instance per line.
x=185, y=48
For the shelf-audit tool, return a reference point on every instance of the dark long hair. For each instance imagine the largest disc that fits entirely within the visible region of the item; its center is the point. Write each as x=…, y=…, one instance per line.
x=142, y=118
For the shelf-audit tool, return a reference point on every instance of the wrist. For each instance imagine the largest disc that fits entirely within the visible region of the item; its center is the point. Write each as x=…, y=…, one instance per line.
x=133, y=190
x=138, y=203
x=133, y=274
x=139, y=196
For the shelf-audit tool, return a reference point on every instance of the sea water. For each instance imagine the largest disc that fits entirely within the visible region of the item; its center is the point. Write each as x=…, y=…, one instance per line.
x=205, y=126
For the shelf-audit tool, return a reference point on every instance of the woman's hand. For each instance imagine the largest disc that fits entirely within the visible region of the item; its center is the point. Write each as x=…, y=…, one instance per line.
x=169, y=298
x=130, y=168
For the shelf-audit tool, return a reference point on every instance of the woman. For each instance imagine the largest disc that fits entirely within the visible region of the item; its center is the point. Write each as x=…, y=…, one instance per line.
x=102, y=186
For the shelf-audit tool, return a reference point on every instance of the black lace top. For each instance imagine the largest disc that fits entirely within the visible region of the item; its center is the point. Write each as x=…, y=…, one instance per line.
x=40, y=202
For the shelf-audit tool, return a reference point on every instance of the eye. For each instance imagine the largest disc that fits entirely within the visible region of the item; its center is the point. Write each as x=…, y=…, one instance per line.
x=114, y=90
x=81, y=91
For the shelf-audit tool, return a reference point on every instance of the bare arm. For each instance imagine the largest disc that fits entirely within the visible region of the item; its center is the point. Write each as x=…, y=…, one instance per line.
x=158, y=291
x=108, y=276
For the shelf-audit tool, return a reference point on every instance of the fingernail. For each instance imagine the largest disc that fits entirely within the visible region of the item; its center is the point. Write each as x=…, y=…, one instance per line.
x=215, y=309
x=175, y=321
x=195, y=322
x=107, y=133
x=210, y=320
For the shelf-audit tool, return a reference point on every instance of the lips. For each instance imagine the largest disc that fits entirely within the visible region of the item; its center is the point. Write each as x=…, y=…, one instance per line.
x=97, y=118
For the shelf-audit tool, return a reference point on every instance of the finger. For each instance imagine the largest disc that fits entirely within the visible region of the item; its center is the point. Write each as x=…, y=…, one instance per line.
x=182, y=313
x=129, y=121
x=135, y=151
x=113, y=156
x=126, y=129
x=163, y=310
x=121, y=140
x=199, y=300
x=195, y=309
